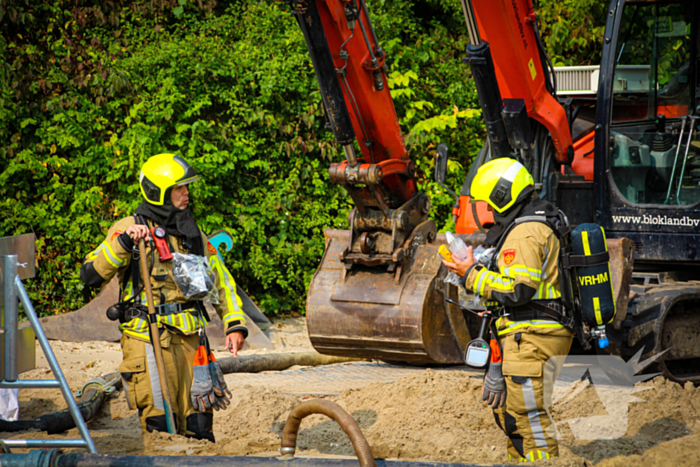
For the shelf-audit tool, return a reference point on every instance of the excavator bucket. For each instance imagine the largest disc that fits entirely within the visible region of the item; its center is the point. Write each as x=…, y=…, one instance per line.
x=398, y=315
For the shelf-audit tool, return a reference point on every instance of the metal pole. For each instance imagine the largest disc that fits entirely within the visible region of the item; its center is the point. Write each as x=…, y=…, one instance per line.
x=372, y=58
x=371, y=27
x=350, y=154
x=470, y=20
x=44, y=443
x=10, y=319
x=675, y=161
x=31, y=384
x=53, y=363
x=685, y=160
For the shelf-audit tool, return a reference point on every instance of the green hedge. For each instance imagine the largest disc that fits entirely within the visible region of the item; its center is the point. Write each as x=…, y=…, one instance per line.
x=91, y=89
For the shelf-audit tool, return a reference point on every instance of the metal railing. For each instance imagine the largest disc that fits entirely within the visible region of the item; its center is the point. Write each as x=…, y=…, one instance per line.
x=14, y=294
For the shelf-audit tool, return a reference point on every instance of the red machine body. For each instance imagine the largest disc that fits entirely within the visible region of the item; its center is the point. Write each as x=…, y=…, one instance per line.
x=371, y=110
x=508, y=28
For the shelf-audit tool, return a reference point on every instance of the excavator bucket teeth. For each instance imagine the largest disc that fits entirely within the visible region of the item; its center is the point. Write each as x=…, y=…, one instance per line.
x=372, y=312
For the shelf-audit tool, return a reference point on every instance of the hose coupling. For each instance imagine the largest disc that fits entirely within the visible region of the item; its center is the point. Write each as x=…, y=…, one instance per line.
x=287, y=452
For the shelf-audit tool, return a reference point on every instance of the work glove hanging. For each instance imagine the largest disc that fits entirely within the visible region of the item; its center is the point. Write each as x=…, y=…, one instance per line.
x=202, y=391
x=494, y=386
x=494, y=383
x=223, y=395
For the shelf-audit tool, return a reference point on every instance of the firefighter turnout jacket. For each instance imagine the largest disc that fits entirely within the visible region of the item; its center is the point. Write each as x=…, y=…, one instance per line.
x=112, y=258
x=527, y=270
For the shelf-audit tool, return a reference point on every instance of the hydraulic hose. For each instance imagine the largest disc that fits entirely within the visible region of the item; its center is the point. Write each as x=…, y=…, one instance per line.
x=90, y=400
x=277, y=361
x=335, y=412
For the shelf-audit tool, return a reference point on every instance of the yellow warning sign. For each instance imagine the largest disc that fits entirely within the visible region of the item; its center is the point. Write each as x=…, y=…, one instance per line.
x=533, y=70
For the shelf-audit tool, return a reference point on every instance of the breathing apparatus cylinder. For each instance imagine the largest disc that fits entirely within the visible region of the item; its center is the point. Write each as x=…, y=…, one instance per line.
x=593, y=280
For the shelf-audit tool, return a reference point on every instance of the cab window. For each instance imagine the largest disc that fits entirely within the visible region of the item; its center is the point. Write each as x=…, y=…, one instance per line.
x=655, y=156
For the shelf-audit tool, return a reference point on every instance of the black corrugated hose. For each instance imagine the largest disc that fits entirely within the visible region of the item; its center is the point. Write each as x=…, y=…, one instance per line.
x=89, y=401
x=55, y=458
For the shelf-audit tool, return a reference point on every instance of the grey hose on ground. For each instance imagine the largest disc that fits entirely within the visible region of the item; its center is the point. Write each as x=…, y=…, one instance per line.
x=335, y=412
x=277, y=361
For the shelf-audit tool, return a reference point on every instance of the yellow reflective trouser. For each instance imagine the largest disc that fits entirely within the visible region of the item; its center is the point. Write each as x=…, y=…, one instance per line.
x=523, y=418
x=141, y=381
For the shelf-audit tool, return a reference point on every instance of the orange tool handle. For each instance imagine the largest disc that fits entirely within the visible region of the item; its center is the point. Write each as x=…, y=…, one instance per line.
x=495, y=351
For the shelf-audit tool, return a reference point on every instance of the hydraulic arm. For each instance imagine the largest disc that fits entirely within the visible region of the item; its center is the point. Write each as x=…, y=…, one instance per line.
x=377, y=292
x=505, y=42
x=349, y=64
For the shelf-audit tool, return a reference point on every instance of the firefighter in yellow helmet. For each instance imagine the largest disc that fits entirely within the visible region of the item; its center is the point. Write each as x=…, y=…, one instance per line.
x=522, y=286
x=166, y=211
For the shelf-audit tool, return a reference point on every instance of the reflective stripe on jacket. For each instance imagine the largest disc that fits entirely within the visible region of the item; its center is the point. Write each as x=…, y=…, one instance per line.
x=110, y=258
x=527, y=264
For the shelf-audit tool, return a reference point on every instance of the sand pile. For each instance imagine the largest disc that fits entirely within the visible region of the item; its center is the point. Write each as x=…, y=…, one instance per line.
x=438, y=416
x=659, y=428
x=431, y=415
x=435, y=416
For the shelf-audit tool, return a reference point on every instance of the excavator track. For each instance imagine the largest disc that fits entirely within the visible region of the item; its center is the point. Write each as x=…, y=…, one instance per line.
x=661, y=317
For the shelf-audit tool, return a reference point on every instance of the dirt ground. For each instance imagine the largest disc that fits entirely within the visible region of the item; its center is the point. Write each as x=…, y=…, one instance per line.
x=431, y=415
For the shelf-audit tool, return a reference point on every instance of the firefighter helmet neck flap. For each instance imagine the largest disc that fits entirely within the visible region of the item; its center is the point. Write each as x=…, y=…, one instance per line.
x=159, y=175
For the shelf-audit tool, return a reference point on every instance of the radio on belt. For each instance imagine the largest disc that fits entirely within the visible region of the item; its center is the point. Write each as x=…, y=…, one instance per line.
x=158, y=234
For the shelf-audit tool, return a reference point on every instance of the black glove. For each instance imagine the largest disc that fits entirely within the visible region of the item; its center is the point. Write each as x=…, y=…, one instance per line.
x=494, y=386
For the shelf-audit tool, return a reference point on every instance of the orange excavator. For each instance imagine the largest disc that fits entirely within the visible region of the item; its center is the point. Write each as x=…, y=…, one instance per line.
x=619, y=150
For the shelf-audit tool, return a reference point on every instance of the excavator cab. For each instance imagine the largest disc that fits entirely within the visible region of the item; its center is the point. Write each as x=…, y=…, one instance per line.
x=647, y=186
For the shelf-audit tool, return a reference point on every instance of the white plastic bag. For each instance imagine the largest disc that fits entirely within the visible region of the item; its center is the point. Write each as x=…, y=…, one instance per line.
x=483, y=255
x=457, y=247
x=194, y=277
x=9, y=404
x=459, y=250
